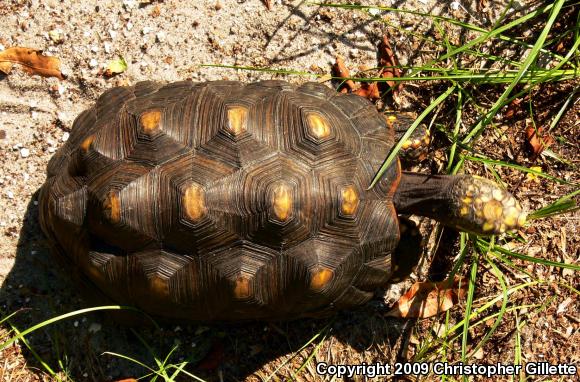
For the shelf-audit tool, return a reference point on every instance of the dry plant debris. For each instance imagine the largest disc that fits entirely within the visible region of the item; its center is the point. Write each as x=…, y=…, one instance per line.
x=115, y=67
x=537, y=140
x=32, y=61
x=372, y=90
x=427, y=299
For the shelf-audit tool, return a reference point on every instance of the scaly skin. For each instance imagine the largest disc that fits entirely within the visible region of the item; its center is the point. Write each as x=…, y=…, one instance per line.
x=482, y=207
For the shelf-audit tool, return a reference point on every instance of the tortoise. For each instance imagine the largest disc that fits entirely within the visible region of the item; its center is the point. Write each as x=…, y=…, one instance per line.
x=224, y=201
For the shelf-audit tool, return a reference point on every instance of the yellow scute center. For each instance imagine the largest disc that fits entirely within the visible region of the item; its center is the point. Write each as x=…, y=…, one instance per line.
x=150, y=120
x=282, y=202
x=321, y=278
x=237, y=119
x=349, y=200
x=319, y=126
x=194, y=202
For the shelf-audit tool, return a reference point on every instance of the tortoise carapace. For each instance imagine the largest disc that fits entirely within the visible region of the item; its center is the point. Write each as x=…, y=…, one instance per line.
x=224, y=201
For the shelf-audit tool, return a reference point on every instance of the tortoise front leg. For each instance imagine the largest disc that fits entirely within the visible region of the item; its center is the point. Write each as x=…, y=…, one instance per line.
x=468, y=203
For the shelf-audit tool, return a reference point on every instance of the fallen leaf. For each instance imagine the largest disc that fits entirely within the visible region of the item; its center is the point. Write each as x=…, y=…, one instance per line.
x=31, y=60
x=537, y=140
x=564, y=305
x=390, y=64
x=426, y=299
x=115, y=67
x=369, y=90
x=340, y=70
x=513, y=107
x=214, y=357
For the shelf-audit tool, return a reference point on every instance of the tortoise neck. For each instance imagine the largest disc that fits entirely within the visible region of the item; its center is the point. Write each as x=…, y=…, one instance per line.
x=425, y=195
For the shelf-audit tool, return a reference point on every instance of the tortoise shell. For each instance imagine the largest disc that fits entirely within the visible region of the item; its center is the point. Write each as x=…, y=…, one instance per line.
x=225, y=201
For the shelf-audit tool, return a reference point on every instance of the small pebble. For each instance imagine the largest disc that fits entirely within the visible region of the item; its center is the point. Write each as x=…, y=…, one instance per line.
x=65, y=136
x=56, y=36
x=93, y=63
x=112, y=33
x=10, y=194
x=129, y=26
x=24, y=152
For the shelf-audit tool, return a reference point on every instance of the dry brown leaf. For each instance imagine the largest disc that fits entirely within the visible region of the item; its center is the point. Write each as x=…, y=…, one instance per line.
x=369, y=90
x=513, y=107
x=537, y=140
x=339, y=69
x=426, y=299
x=31, y=60
x=388, y=61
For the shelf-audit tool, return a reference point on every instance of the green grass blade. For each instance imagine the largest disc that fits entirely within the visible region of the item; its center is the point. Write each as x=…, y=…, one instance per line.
x=532, y=56
x=529, y=258
x=137, y=362
x=395, y=150
x=517, y=167
x=468, y=305
x=59, y=318
x=501, y=278
x=561, y=206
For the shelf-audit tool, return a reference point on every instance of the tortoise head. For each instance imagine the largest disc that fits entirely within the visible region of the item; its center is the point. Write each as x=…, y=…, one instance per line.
x=468, y=203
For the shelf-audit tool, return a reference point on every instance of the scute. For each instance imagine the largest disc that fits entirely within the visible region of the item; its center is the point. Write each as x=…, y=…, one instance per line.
x=225, y=201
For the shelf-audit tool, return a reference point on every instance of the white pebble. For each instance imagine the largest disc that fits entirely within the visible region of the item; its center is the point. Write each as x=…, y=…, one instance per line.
x=76, y=324
x=455, y=5
x=146, y=30
x=93, y=63
x=160, y=36
x=51, y=150
x=26, y=176
x=129, y=26
x=24, y=152
x=10, y=194
x=112, y=33
x=107, y=47
x=374, y=11
x=65, y=136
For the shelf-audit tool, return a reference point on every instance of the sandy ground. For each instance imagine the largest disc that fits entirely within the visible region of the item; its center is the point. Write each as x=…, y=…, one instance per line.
x=164, y=41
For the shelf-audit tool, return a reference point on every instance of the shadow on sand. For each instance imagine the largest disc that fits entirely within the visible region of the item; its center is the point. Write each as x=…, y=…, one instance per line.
x=37, y=288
